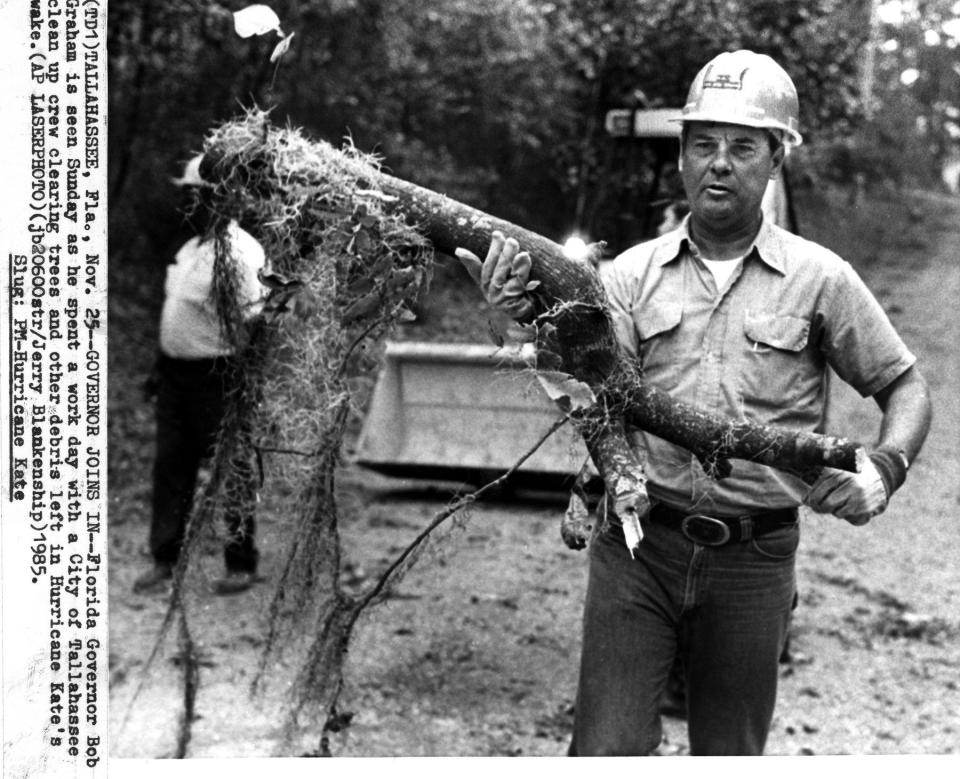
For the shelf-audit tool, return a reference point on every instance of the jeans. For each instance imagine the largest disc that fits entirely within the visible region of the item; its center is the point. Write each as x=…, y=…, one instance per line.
x=723, y=610
x=191, y=401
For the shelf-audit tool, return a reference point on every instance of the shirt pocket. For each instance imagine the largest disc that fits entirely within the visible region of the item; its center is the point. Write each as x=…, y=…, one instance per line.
x=658, y=327
x=775, y=331
x=777, y=370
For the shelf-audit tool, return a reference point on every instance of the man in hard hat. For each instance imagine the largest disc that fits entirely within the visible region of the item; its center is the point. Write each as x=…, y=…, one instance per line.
x=739, y=317
x=194, y=373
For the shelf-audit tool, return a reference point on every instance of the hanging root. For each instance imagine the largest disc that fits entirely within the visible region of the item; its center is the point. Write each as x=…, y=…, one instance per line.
x=190, y=667
x=341, y=271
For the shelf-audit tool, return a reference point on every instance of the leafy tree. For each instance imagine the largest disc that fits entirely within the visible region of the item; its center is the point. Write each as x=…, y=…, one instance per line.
x=918, y=77
x=909, y=123
x=499, y=103
x=650, y=50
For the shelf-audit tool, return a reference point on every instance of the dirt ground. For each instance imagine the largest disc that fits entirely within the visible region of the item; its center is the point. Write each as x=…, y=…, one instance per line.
x=477, y=654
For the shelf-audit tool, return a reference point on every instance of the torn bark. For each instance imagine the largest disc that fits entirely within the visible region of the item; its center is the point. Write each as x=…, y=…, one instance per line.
x=585, y=346
x=580, y=341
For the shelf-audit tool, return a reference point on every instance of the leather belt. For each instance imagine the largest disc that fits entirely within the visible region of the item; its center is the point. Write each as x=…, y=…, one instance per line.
x=708, y=530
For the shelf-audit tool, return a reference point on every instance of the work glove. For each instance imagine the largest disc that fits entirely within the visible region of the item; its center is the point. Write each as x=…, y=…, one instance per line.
x=858, y=497
x=503, y=276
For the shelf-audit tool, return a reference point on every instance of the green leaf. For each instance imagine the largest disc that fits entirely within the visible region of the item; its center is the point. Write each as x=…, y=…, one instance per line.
x=569, y=393
x=281, y=48
x=521, y=334
x=275, y=280
x=404, y=314
x=255, y=20
x=306, y=304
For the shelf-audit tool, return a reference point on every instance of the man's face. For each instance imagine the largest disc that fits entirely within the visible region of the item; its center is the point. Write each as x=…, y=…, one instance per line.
x=725, y=170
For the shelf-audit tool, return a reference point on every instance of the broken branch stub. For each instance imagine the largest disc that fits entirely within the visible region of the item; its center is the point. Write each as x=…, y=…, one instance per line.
x=581, y=339
x=571, y=291
x=571, y=295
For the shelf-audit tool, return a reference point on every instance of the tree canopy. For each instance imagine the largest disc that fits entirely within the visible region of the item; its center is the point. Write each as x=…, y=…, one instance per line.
x=499, y=103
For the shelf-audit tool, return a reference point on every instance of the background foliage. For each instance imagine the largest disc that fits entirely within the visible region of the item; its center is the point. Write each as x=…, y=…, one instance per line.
x=500, y=103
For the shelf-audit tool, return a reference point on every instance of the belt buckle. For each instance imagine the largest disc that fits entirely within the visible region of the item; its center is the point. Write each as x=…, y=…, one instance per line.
x=705, y=530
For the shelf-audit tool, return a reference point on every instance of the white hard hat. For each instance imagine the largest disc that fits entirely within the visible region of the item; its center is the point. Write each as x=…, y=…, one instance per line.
x=191, y=174
x=743, y=87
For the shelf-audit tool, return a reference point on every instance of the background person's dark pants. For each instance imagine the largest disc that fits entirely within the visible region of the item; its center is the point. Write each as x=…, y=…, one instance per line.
x=191, y=400
x=723, y=610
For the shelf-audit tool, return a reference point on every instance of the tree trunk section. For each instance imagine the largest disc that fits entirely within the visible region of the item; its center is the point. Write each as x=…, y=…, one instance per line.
x=585, y=346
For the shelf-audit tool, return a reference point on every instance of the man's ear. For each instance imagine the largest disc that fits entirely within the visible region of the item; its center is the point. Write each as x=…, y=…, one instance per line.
x=777, y=158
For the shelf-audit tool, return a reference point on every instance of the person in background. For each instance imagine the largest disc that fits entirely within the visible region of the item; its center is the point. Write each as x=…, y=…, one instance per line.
x=195, y=372
x=735, y=315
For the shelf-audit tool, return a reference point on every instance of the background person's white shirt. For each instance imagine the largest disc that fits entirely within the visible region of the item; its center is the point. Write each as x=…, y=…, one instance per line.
x=189, y=326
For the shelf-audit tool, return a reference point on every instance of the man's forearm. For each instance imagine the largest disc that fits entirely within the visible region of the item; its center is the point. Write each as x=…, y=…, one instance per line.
x=906, y=413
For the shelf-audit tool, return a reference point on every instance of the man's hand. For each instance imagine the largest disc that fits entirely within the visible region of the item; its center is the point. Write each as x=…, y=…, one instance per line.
x=504, y=276
x=855, y=497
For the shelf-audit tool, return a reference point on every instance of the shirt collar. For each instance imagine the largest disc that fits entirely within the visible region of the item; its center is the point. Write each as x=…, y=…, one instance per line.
x=768, y=245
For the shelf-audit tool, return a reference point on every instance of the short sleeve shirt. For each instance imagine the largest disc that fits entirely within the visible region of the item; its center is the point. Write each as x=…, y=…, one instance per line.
x=189, y=325
x=756, y=352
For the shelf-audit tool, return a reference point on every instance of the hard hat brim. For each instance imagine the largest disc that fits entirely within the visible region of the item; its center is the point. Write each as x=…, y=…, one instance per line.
x=792, y=136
